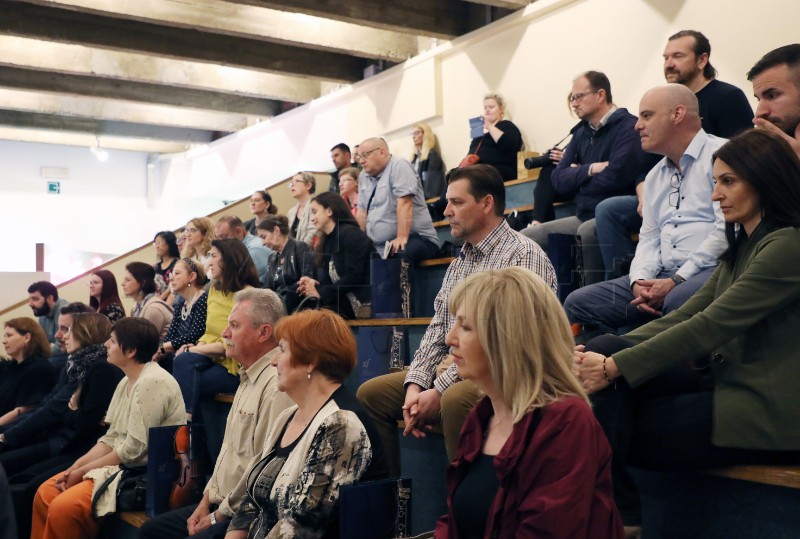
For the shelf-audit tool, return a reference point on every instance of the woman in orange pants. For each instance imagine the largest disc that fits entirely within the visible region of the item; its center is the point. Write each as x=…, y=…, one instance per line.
x=147, y=397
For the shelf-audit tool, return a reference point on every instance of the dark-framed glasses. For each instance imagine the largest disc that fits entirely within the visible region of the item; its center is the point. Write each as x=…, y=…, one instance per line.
x=675, y=194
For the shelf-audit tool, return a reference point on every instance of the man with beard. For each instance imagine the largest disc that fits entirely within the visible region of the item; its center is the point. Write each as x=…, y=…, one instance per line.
x=776, y=85
x=724, y=110
x=43, y=301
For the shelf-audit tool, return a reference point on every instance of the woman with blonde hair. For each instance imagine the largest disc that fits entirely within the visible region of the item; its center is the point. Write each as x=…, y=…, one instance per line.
x=501, y=139
x=198, y=235
x=427, y=161
x=532, y=461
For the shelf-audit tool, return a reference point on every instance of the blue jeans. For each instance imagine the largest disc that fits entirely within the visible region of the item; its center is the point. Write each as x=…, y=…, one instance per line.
x=607, y=305
x=200, y=376
x=615, y=220
x=417, y=249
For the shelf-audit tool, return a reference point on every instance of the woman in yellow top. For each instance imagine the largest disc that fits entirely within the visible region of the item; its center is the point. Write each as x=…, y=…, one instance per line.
x=202, y=369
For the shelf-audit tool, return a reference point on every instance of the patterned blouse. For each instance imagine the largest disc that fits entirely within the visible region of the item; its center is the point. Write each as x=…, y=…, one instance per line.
x=187, y=325
x=293, y=492
x=113, y=311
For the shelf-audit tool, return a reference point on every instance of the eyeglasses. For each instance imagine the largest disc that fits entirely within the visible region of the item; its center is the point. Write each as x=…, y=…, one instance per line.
x=363, y=155
x=675, y=195
x=296, y=182
x=577, y=97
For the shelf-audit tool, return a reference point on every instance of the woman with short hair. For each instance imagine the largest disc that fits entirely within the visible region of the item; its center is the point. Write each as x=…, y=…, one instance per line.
x=313, y=448
x=27, y=376
x=532, y=461
x=290, y=260
x=146, y=397
x=348, y=187
x=302, y=186
x=202, y=369
x=714, y=383
x=138, y=283
x=261, y=207
x=104, y=296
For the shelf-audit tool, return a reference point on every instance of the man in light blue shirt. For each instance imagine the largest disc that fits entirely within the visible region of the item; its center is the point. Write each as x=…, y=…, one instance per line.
x=391, y=204
x=231, y=227
x=683, y=232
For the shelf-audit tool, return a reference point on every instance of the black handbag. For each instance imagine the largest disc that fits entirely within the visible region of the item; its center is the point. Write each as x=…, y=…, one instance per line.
x=131, y=491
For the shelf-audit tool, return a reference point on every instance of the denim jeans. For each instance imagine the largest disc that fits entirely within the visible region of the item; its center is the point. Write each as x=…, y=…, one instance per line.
x=615, y=220
x=200, y=376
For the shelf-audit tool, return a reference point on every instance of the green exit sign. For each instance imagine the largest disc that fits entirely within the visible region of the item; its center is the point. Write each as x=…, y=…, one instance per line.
x=54, y=188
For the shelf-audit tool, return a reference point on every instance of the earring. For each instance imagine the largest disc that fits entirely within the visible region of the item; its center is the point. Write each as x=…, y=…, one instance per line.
x=309, y=376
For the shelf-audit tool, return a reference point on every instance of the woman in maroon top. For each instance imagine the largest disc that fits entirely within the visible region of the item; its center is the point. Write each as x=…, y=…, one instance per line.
x=532, y=461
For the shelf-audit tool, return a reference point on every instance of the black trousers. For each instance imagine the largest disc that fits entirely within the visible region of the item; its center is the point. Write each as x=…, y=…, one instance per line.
x=8, y=527
x=172, y=525
x=18, y=460
x=664, y=424
x=24, y=485
x=544, y=195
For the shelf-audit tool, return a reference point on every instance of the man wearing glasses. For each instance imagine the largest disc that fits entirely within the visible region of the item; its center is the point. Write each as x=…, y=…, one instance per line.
x=604, y=159
x=682, y=233
x=391, y=205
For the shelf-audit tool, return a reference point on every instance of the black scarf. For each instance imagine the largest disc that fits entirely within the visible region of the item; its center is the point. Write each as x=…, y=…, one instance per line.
x=80, y=361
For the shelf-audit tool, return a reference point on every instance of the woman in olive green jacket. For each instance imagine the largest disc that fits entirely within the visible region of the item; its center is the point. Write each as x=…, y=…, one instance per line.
x=715, y=382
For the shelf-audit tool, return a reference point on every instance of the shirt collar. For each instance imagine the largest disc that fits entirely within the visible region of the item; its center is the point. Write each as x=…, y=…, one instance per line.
x=381, y=173
x=487, y=243
x=604, y=120
x=690, y=154
x=252, y=373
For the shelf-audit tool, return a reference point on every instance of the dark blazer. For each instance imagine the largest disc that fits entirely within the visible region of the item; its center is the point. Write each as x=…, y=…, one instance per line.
x=746, y=320
x=431, y=173
x=347, y=250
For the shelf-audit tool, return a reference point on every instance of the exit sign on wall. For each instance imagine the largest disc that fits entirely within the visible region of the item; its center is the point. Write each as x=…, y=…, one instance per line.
x=54, y=188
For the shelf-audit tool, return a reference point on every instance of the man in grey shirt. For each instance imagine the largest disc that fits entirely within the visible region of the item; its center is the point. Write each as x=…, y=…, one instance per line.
x=391, y=206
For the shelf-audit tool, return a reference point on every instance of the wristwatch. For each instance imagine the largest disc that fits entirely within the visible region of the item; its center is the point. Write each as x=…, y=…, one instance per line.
x=677, y=279
x=213, y=518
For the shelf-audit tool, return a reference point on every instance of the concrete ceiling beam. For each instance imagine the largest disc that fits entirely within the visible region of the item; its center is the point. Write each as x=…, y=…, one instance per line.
x=87, y=140
x=124, y=111
x=90, y=86
x=260, y=23
x=69, y=26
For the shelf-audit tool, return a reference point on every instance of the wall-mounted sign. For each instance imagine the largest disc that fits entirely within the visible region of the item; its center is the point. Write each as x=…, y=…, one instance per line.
x=54, y=188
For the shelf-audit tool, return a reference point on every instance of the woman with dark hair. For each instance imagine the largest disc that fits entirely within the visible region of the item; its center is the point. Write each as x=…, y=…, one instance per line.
x=715, y=382
x=103, y=295
x=138, y=283
x=52, y=437
x=342, y=258
x=261, y=207
x=202, y=369
x=302, y=186
x=325, y=441
x=189, y=324
x=146, y=397
x=27, y=376
x=501, y=139
x=290, y=260
x=166, y=246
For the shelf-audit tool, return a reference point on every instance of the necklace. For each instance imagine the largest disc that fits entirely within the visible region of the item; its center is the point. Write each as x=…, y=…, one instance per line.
x=187, y=307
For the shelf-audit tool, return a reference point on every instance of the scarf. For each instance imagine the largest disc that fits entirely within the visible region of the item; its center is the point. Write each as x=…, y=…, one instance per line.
x=81, y=360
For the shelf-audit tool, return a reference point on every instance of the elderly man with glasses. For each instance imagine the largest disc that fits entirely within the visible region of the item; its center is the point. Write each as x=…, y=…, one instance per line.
x=683, y=232
x=391, y=204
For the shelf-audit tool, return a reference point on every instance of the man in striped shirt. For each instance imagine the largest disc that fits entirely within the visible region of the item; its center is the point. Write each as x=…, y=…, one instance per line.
x=475, y=205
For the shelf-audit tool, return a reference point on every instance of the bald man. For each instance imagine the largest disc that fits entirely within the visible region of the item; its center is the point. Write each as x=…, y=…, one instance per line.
x=391, y=204
x=683, y=232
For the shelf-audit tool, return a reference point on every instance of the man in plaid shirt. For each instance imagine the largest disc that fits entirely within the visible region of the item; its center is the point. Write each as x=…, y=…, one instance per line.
x=475, y=205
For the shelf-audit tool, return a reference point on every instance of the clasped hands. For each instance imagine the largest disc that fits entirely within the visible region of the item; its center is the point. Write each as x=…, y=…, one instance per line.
x=649, y=294
x=307, y=286
x=70, y=478
x=420, y=410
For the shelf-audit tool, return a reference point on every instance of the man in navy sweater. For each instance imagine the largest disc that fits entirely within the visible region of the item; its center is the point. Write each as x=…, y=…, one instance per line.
x=603, y=159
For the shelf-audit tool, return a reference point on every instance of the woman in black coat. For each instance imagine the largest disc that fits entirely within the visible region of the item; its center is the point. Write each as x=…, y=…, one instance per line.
x=427, y=161
x=290, y=260
x=342, y=258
